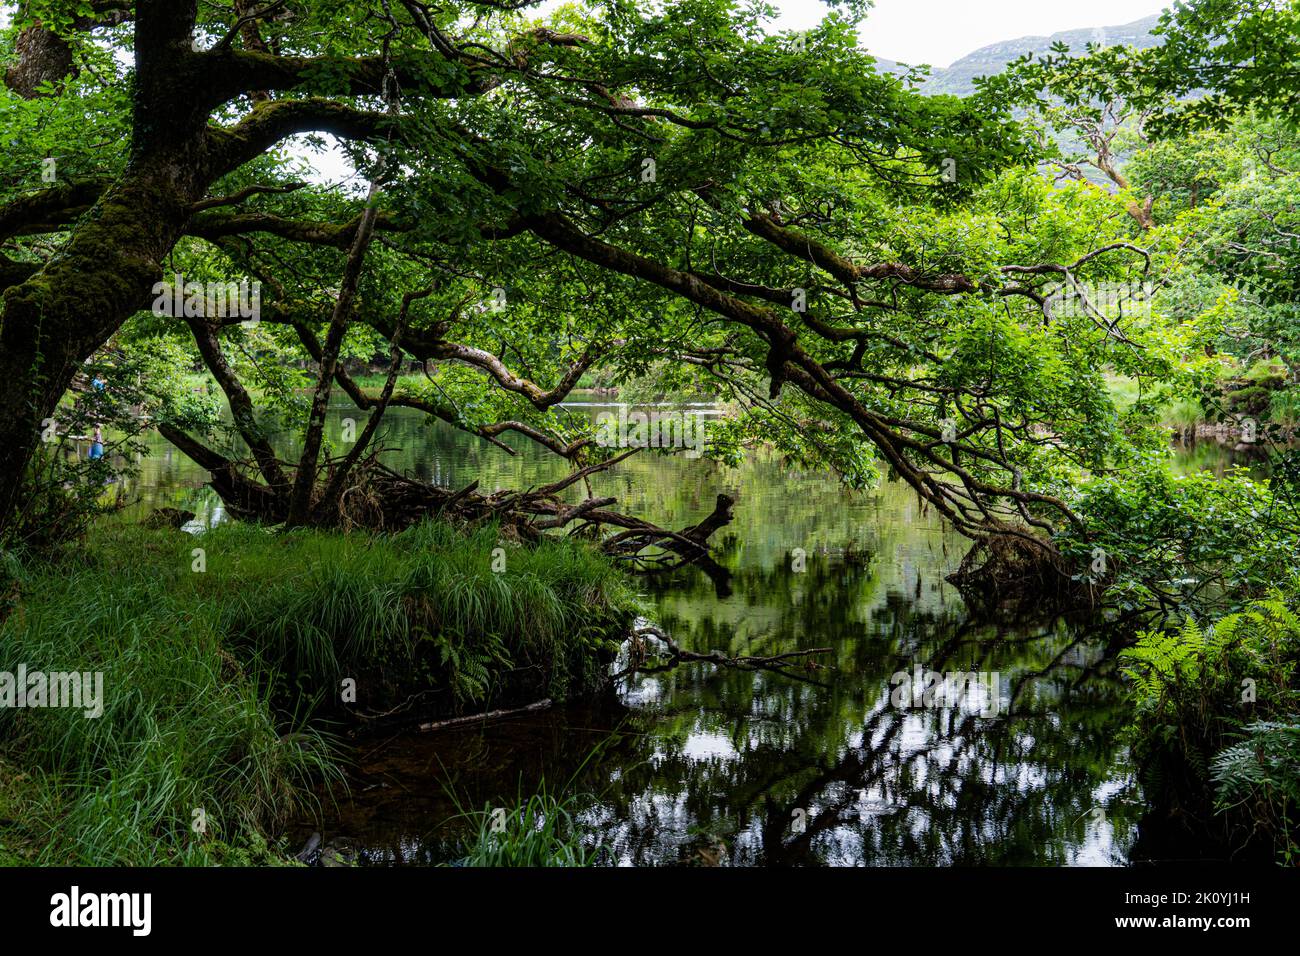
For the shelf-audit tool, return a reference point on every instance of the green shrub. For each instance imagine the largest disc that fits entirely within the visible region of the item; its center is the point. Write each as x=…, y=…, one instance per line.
x=1253, y=399
x=1192, y=543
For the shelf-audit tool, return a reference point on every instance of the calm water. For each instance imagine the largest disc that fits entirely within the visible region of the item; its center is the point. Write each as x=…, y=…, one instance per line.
x=816, y=767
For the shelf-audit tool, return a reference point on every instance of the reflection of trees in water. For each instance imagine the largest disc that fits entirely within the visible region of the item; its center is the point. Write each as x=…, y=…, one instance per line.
x=941, y=786
x=974, y=791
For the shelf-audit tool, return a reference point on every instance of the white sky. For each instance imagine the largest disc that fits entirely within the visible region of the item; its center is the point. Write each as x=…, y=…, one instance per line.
x=938, y=32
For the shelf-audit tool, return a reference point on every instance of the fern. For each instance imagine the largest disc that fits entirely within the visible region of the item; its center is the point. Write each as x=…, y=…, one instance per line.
x=1165, y=665
x=1262, y=773
x=1192, y=712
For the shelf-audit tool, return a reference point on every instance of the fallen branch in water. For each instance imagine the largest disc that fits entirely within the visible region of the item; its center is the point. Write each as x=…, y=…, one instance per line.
x=489, y=715
x=637, y=652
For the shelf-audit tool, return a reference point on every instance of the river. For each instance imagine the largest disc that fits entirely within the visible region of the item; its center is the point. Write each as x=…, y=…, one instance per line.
x=824, y=766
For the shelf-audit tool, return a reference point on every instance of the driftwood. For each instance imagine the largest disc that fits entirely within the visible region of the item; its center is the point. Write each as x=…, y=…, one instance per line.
x=489, y=715
x=377, y=498
x=689, y=544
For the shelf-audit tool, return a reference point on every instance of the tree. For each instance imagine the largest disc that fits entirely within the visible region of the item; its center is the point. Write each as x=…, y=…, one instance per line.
x=815, y=238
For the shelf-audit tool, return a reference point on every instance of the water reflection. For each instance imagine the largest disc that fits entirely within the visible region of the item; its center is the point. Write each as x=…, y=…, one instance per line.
x=815, y=767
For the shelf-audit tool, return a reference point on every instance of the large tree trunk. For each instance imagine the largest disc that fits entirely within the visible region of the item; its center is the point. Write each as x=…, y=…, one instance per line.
x=56, y=319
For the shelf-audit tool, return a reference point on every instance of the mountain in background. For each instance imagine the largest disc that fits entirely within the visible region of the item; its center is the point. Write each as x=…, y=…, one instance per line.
x=958, y=79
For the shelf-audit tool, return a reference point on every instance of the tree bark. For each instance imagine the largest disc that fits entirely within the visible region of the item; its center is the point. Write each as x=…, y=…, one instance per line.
x=54, y=320
x=43, y=57
x=304, y=483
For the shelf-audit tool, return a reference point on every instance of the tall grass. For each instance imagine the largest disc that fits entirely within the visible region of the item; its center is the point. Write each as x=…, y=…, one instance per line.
x=209, y=678
x=537, y=829
x=324, y=607
x=183, y=729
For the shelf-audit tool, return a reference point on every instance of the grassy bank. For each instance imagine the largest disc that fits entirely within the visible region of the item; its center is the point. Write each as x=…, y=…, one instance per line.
x=224, y=671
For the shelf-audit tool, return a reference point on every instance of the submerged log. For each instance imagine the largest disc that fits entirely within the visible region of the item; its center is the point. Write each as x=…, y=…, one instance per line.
x=484, y=717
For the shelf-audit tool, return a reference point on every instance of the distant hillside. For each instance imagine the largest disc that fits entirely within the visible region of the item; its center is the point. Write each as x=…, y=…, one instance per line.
x=959, y=78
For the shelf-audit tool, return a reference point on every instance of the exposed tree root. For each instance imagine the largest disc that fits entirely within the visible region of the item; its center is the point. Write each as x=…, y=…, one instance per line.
x=1014, y=572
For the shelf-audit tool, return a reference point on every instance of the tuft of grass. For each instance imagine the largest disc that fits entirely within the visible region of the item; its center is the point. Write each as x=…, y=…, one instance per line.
x=539, y=830
x=425, y=602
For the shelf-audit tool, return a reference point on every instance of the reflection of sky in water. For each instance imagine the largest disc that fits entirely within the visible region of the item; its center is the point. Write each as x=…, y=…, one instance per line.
x=811, y=767
x=704, y=746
